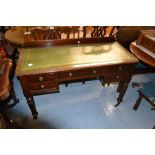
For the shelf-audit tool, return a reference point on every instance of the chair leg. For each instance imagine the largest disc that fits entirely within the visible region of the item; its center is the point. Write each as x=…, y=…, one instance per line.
x=136, y=84
x=10, y=124
x=12, y=98
x=136, y=105
x=15, y=99
x=102, y=80
x=83, y=82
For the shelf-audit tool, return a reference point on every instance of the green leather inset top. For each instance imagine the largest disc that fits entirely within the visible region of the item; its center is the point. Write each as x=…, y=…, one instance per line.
x=60, y=56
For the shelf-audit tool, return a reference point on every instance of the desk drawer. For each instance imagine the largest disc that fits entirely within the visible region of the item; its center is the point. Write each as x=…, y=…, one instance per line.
x=32, y=84
x=92, y=72
x=117, y=77
x=41, y=78
x=43, y=86
x=78, y=74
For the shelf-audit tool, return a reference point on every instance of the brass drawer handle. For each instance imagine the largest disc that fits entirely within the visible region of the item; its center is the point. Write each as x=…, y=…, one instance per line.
x=42, y=86
x=41, y=78
x=117, y=76
x=94, y=71
x=70, y=74
x=119, y=68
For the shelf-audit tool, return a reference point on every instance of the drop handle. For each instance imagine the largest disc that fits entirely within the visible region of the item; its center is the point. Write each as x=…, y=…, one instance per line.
x=94, y=71
x=119, y=68
x=117, y=76
x=41, y=78
x=70, y=74
x=42, y=86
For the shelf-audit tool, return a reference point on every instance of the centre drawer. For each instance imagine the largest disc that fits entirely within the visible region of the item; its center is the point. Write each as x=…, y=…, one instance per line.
x=92, y=72
x=78, y=74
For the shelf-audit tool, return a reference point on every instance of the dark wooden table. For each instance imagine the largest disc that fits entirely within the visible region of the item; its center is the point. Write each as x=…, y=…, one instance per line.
x=143, y=56
x=41, y=70
x=128, y=34
x=15, y=36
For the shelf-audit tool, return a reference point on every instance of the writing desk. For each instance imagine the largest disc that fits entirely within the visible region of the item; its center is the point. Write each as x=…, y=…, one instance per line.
x=41, y=70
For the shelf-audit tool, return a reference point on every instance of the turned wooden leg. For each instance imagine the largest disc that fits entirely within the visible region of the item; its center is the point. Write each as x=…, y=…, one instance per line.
x=14, y=97
x=83, y=82
x=121, y=89
x=102, y=80
x=136, y=105
x=32, y=106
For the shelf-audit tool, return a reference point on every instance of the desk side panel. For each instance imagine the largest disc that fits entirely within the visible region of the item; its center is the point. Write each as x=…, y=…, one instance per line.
x=34, y=85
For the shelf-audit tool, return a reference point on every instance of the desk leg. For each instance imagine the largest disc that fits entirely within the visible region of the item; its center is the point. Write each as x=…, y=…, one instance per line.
x=32, y=106
x=122, y=87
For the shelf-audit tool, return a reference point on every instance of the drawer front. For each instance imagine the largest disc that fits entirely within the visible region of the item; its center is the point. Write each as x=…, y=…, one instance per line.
x=41, y=78
x=79, y=74
x=43, y=86
x=39, y=83
x=117, y=77
x=93, y=72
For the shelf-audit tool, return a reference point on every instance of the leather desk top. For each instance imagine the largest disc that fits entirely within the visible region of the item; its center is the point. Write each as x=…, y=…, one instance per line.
x=40, y=60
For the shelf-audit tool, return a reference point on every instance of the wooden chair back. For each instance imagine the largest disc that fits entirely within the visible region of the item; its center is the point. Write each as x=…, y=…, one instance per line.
x=61, y=35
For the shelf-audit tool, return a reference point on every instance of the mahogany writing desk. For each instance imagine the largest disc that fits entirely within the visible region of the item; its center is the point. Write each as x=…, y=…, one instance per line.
x=41, y=70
